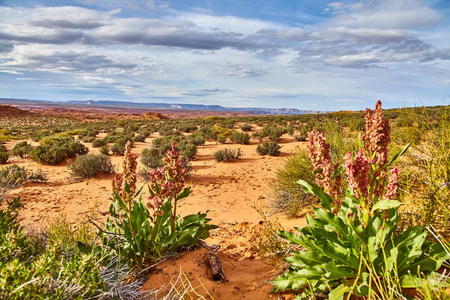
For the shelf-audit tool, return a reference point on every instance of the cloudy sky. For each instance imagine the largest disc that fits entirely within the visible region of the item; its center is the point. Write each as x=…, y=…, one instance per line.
x=318, y=55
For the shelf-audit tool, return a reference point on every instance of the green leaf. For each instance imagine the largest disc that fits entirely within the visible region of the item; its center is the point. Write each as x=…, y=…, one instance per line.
x=333, y=223
x=386, y=204
x=397, y=155
x=184, y=193
x=291, y=237
x=306, y=258
x=339, y=292
x=318, y=192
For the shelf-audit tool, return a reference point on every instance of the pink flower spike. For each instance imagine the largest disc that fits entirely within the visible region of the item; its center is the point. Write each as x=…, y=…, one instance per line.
x=391, y=189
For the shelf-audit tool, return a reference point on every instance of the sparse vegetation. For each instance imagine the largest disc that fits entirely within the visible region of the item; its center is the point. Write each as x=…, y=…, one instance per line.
x=268, y=148
x=90, y=165
x=226, y=154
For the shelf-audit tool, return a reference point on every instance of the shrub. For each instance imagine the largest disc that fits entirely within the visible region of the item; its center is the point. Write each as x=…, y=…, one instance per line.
x=268, y=148
x=353, y=247
x=21, y=149
x=88, y=166
x=151, y=158
x=104, y=150
x=33, y=267
x=54, y=150
x=246, y=127
x=99, y=143
x=4, y=154
x=240, y=138
x=226, y=154
x=139, y=138
x=119, y=145
x=287, y=196
x=14, y=175
x=197, y=139
x=222, y=138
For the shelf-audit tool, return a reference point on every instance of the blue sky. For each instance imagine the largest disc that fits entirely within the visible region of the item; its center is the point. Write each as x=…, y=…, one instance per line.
x=314, y=55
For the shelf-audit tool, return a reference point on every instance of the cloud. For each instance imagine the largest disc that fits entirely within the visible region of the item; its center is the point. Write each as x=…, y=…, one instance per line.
x=205, y=92
x=387, y=14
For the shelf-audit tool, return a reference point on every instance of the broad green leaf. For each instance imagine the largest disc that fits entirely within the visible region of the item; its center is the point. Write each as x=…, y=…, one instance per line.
x=386, y=204
x=339, y=292
x=184, y=193
x=336, y=272
x=434, y=256
x=318, y=192
x=291, y=237
x=334, y=223
x=306, y=258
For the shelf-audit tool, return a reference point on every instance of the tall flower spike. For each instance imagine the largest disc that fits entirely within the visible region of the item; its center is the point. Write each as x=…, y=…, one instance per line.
x=319, y=152
x=377, y=135
x=358, y=173
x=129, y=169
x=391, y=189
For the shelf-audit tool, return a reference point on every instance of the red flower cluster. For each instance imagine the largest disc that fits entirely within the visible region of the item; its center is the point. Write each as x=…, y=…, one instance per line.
x=167, y=182
x=129, y=176
x=319, y=152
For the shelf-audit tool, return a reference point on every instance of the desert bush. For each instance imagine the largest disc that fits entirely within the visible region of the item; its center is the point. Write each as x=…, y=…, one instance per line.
x=119, y=145
x=268, y=148
x=221, y=138
x=99, y=143
x=4, y=154
x=240, y=138
x=139, y=138
x=246, y=127
x=89, y=165
x=287, y=196
x=14, y=175
x=54, y=150
x=140, y=235
x=226, y=154
x=353, y=247
x=197, y=139
x=151, y=158
x=33, y=267
x=21, y=149
x=273, y=132
x=104, y=150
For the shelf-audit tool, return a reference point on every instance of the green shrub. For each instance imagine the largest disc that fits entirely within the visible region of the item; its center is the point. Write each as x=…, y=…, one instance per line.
x=119, y=145
x=54, y=150
x=33, y=267
x=4, y=154
x=226, y=154
x=104, y=150
x=151, y=158
x=240, y=138
x=268, y=148
x=21, y=149
x=99, y=143
x=139, y=138
x=197, y=139
x=222, y=138
x=287, y=196
x=246, y=127
x=88, y=166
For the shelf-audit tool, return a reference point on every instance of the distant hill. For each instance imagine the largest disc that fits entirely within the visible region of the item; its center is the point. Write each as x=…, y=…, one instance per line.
x=153, y=106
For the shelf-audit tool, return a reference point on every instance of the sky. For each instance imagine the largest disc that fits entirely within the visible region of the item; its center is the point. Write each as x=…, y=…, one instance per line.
x=311, y=55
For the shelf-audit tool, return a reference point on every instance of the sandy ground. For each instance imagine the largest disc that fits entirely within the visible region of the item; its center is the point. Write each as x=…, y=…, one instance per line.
x=228, y=191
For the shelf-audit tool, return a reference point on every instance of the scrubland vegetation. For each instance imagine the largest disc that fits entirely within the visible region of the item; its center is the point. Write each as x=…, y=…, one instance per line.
x=375, y=189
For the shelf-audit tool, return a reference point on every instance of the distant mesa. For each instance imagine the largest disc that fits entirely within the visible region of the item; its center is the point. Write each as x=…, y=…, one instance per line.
x=154, y=116
x=10, y=111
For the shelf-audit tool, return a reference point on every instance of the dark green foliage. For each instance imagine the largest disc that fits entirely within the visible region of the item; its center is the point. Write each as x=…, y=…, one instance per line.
x=151, y=158
x=88, y=166
x=268, y=148
x=139, y=138
x=246, y=127
x=119, y=145
x=198, y=139
x=222, y=138
x=35, y=268
x=226, y=154
x=21, y=149
x=99, y=143
x=240, y=138
x=104, y=150
x=54, y=150
x=4, y=154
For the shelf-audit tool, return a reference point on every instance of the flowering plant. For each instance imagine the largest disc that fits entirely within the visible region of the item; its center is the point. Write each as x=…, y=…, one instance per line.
x=352, y=247
x=143, y=236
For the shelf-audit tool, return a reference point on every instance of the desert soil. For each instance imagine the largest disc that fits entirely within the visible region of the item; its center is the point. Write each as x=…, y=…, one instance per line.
x=229, y=192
